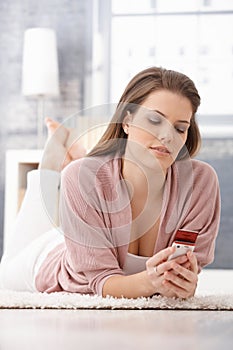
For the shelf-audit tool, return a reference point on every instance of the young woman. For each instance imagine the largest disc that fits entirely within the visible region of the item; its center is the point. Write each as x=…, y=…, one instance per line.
x=122, y=204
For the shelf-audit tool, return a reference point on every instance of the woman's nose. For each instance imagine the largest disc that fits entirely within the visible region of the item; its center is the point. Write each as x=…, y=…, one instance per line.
x=166, y=134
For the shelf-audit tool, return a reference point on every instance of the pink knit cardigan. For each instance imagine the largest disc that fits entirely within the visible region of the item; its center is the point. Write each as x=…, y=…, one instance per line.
x=96, y=219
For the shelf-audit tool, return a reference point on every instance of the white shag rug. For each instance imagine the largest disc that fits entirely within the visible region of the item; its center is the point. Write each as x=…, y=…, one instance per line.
x=214, y=292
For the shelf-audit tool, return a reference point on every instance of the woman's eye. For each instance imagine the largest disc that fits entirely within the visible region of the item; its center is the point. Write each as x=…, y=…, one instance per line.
x=154, y=119
x=181, y=130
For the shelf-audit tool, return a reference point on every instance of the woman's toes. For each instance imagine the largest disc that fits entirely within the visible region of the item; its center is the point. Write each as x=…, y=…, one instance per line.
x=56, y=130
x=55, y=155
x=51, y=125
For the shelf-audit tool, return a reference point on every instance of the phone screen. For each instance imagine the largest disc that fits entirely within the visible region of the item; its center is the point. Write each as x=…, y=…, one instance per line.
x=186, y=237
x=184, y=241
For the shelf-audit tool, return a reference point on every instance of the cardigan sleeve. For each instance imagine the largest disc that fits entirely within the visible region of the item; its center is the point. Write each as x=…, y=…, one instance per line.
x=204, y=213
x=87, y=226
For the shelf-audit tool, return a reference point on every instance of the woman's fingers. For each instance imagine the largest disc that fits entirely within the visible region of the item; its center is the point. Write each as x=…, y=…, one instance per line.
x=166, y=266
x=177, y=277
x=182, y=273
x=173, y=277
x=158, y=263
x=176, y=280
x=158, y=258
x=193, y=262
x=183, y=280
x=175, y=290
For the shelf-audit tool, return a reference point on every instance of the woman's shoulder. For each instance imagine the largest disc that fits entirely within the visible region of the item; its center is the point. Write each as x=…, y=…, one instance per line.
x=199, y=173
x=102, y=169
x=85, y=163
x=203, y=169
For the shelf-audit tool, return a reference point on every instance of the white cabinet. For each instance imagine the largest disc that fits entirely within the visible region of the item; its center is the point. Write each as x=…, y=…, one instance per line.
x=18, y=163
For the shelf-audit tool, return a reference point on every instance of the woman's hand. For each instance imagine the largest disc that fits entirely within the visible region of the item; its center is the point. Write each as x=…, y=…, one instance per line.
x=173, y=278
x=170, y=278
x=157, y=265
x=182, y=279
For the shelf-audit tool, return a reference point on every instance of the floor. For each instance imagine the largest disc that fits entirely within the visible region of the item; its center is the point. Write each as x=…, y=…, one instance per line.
x=123, y=329
x=115, y=329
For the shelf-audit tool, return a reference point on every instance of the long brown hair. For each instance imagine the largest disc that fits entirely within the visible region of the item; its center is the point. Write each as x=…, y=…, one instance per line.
x=138, y=89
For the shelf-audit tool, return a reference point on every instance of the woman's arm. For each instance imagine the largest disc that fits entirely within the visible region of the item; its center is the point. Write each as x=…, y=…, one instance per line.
x=132, y=286
x=92, y=257
x=170, y=279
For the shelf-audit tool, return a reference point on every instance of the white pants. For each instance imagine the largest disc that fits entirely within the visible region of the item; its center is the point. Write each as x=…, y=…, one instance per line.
x=35, y=232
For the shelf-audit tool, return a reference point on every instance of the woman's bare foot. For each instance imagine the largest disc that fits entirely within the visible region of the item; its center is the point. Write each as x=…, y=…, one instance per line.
x=55, y=156
x=54, y=127
x=74, y=147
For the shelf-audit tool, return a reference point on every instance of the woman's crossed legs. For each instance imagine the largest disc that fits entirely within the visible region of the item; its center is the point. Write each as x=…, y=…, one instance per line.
x=36, y=229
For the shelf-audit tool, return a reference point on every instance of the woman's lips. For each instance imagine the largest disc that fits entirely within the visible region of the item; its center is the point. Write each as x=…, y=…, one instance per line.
x=161, y=151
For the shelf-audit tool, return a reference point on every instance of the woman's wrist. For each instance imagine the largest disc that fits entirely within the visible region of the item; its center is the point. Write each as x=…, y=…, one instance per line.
x=132, y=286
x=147, y=287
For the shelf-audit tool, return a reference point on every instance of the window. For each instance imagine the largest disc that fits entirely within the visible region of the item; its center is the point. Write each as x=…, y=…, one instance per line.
x=193, y=37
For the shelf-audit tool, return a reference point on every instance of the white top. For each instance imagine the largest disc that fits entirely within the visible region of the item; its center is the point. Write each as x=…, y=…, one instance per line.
x=134, y=264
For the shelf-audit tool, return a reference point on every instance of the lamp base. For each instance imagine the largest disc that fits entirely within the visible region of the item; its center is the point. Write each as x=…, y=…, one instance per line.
x=40, y=122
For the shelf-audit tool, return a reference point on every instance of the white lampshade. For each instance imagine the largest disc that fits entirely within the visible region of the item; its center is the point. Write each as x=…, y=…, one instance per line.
x=40, y=63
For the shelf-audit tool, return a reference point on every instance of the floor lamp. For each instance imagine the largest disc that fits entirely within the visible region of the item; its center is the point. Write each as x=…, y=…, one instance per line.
x=40, y=76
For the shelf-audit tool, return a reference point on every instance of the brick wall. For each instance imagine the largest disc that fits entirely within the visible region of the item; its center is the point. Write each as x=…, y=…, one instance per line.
x=71, y=20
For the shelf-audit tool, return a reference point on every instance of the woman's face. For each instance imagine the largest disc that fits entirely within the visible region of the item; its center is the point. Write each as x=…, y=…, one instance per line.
x=159, y=128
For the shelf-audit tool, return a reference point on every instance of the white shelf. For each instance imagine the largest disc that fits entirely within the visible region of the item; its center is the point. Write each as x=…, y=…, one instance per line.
x=19, y=162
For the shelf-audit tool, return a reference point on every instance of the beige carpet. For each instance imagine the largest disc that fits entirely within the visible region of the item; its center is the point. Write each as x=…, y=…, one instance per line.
x=214, y=292
x=25, y=300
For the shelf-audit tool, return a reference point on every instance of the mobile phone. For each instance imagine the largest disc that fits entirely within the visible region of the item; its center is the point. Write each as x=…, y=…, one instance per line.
x=184, y=241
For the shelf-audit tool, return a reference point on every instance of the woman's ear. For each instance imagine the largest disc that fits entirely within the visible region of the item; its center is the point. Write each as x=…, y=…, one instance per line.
x=126, y=122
